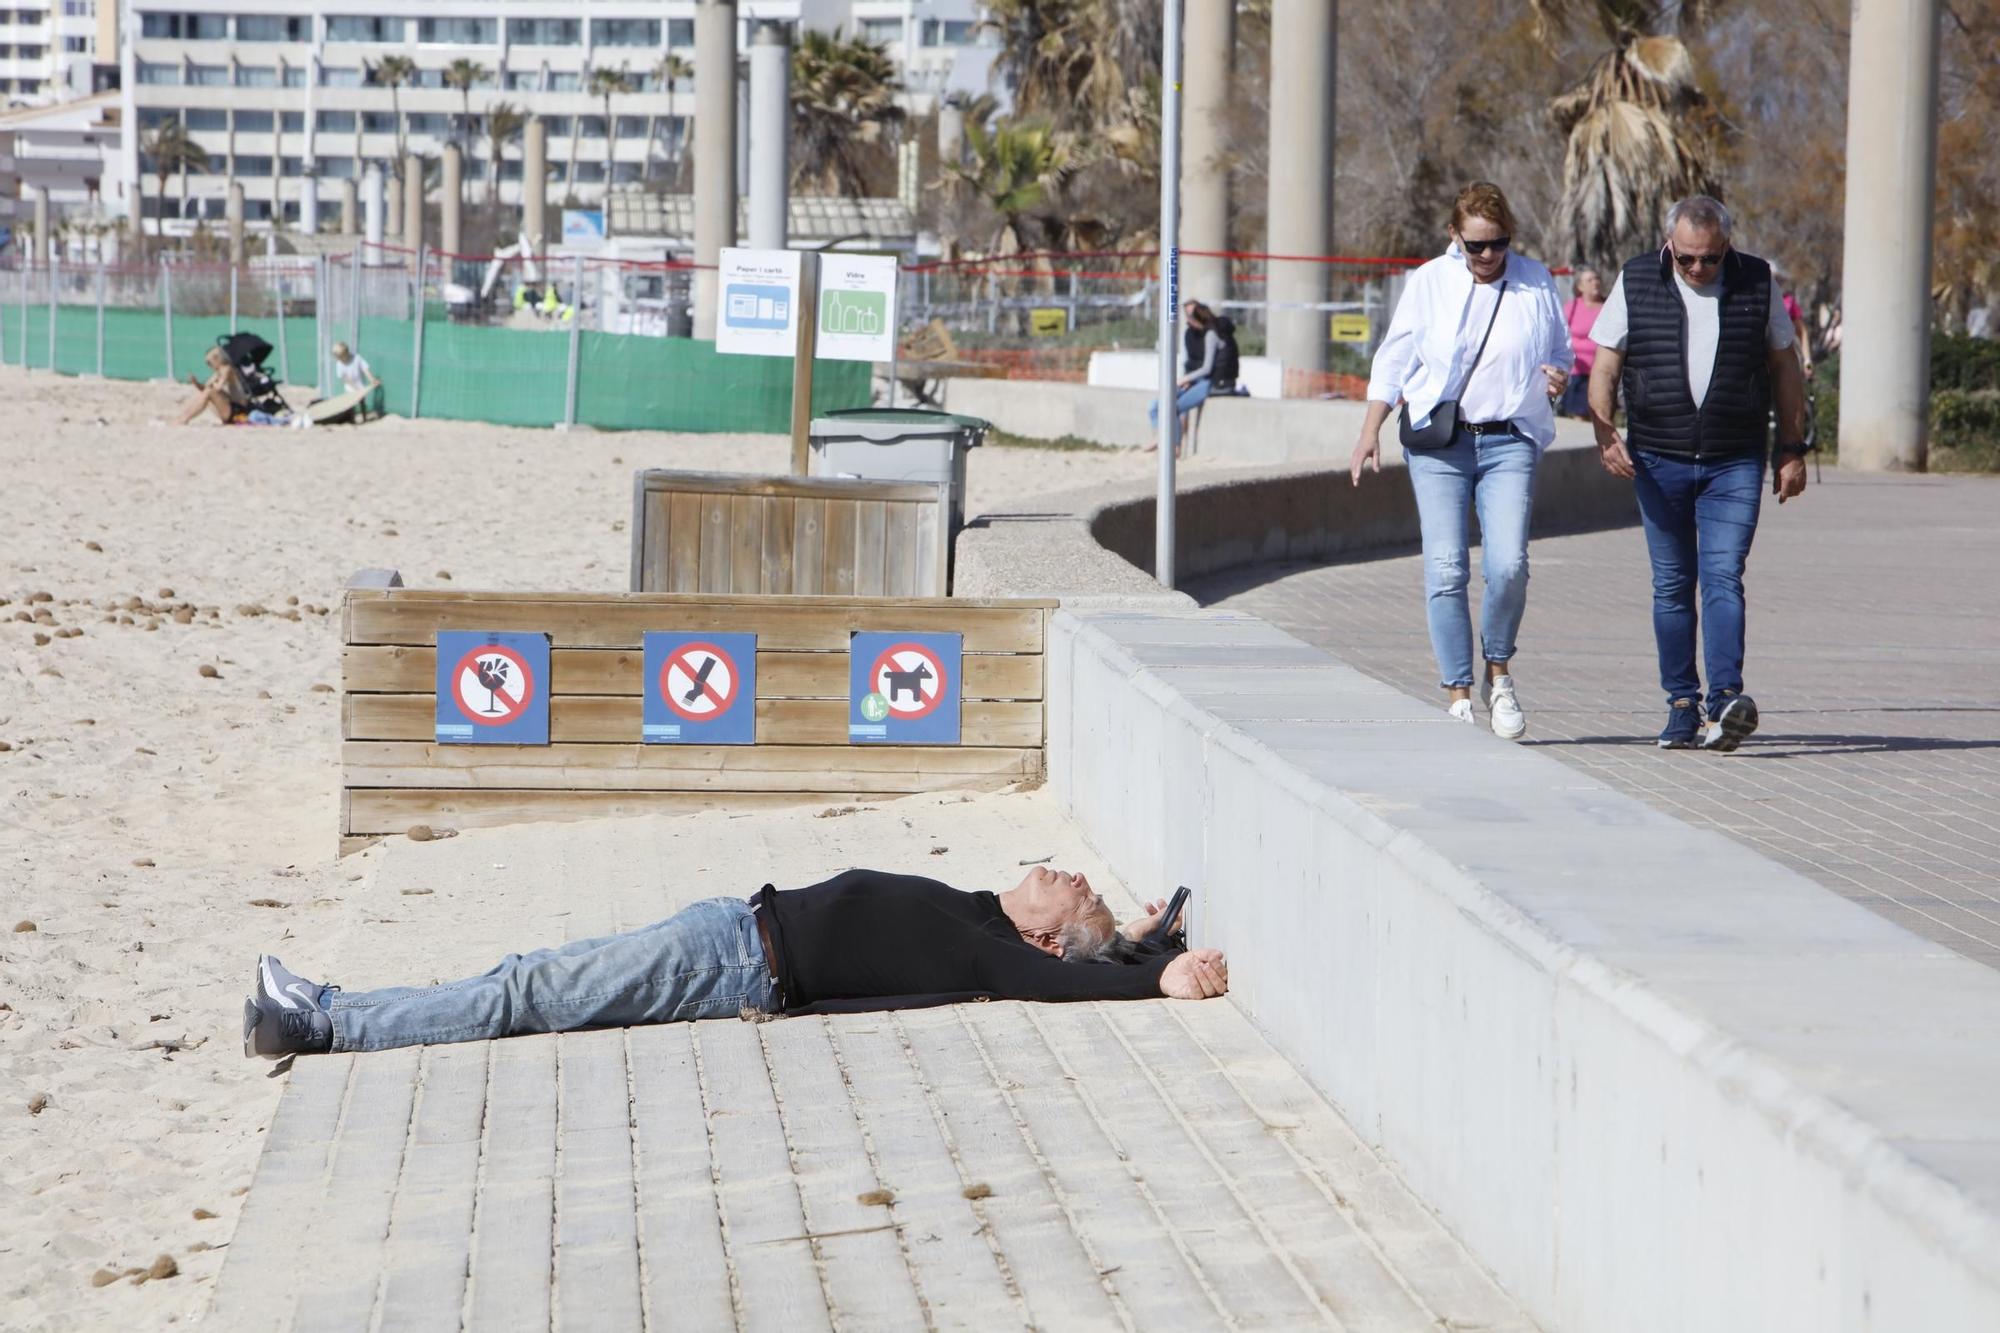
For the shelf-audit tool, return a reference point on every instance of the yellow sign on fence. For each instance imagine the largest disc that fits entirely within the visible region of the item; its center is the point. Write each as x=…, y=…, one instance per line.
x=1048, y=321
x=1348, y=328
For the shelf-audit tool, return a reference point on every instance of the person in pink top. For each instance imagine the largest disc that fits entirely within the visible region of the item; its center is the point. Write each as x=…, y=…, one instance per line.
x=1581, y=314
x=1804, y=343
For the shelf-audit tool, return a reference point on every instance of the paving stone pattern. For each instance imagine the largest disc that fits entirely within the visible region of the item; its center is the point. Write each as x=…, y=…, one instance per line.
x=1087, y=1166
x=1874, y=657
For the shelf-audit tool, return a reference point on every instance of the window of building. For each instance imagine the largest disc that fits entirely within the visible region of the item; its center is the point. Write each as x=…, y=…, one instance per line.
x=458, y=31
x=152, y=117
x=77, y=45
x=338, y=122
x=379, y=122
x=291, y=166
x=337, y=168
x=524, y=80
x=253, y=164
x=363, y=28
x=631, y=127
x=564, y=81
x=882, y=32
x=339, y=78
x=80, y=9
x=273, y=28
x=208, y=76
x=292, y=122
x=256, y=76
x=545, y=32
x=680, y=32
x=590, y=173
x=510, y=170
x=295, y=76
x=590, y=127
x=949, y=32
x=624, y=173
x=207, y=118
x=186, y=27
x=624, y=32
x=253, y=122
x=428, y=122
x=558, y=126
x=28, y=53
x=428, y=78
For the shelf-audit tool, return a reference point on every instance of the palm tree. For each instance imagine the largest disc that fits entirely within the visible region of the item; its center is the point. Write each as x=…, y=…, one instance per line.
x=1013, y=169
x=1074, y=62
x=843, y=103
x=609, y=83
x=1640, y=128
x=465, y=75
x=670, y=71
x=171, y=151
x=504, y=123
x=392, y=72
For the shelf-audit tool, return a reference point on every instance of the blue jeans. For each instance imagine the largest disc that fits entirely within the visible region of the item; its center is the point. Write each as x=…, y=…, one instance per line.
x=1190, y=398
x=1699, y=517
x=705, y=961
x=1495, y=474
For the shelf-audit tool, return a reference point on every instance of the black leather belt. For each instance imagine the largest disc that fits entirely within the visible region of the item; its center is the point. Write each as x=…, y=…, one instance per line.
x=1487, y=427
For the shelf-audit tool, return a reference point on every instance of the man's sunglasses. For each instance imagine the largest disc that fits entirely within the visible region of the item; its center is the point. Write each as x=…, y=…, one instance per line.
x=1481, y=247
x=1689, y=261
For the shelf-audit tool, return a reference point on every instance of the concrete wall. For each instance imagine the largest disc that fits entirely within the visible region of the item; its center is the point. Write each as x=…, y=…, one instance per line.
x=1653, y=1080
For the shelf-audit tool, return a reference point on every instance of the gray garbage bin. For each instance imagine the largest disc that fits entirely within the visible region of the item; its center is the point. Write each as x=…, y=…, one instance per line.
x=897, y=444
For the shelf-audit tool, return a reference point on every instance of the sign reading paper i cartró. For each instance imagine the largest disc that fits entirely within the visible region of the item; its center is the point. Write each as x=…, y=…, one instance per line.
x=857, y=307
x=759, y=310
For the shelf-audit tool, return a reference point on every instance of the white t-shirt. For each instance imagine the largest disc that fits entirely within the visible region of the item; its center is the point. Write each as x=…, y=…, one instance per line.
x=354, y=372
x=1704, y=328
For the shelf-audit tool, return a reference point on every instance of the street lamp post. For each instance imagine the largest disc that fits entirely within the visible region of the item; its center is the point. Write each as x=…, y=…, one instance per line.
x=1170, y=284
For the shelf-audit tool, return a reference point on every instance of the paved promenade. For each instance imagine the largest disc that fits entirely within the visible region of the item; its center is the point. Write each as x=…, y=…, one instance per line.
x=1117, y=1166
x=1874, y=656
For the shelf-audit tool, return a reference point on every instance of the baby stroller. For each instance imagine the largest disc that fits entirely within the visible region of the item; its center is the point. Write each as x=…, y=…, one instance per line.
x=247, y=352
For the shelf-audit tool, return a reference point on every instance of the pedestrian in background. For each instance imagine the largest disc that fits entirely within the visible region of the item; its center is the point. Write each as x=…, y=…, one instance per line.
x=1475, y=354
x=1580, y=315
x=1697, y=339
x=1210, y=364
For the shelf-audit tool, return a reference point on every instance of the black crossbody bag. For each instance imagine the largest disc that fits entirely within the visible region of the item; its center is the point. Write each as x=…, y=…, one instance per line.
x=1444, y=417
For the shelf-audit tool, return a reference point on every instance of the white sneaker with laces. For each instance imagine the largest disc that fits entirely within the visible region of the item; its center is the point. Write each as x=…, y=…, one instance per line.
x=1461, y=709
x=1509, y=722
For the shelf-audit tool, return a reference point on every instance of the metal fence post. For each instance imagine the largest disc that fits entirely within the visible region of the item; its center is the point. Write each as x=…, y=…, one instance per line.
x=417, y=357
x=354, y=300
x=233, y=270
x=992, y=302
x=55, y=295
x=24, y=316
x=100, y=314
x=3, y=321
x=284, y=357
x=575, y=341
x=167, y=308
x=1071, y=317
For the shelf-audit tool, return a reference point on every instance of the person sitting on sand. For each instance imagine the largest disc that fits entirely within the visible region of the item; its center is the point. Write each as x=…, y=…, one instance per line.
x=355, y=374
x=225, y=392
x=864, y=940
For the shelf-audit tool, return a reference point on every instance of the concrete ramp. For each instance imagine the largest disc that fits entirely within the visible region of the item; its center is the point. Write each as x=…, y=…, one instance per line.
x=1131, y=1165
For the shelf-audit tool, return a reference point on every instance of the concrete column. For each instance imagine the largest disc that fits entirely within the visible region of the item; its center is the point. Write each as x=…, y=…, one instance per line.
x=233, y=214
x=770, y=135
x=413, y=205
x=1209, y=54
x=450, y=227
x=950, y=134
x=350, y=210
x=535, y=184
x=714, y=150
x=742, y=131
x=309, y=205
x=1301, y=176
x=44, y=239
x=1885, y=349
x=375, y=209
x=394, y=214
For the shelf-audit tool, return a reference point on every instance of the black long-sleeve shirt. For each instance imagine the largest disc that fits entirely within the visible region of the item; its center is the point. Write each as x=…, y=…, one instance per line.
x=866, y=939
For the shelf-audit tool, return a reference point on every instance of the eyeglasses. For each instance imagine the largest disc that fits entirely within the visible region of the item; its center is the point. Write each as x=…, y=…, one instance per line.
x=1689, y=261
x=1481, y=247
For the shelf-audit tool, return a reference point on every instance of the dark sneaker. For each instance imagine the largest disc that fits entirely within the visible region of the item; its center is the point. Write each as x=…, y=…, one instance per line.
x=1731, y=717
x=285, y=1014
x=1683, y=729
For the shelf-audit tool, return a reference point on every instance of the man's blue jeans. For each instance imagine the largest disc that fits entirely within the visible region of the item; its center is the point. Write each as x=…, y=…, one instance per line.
x=1496, y=475
x=1190, y=398
x=705, y=961
x=1699, y=516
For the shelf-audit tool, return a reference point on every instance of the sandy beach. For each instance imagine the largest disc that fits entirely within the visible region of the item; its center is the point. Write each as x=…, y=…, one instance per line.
x=168, y=757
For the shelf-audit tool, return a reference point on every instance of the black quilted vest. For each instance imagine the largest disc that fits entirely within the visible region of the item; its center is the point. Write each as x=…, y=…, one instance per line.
x=1661, y=416
x=1228, y=363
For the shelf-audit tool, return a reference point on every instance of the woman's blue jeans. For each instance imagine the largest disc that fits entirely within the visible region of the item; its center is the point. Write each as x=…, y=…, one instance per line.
x=705, y=961
x=1494, y=474
x=1700, y=516
x=1190, y=398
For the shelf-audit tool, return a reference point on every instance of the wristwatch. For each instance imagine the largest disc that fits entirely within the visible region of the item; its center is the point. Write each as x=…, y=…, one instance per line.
x=1799, y=450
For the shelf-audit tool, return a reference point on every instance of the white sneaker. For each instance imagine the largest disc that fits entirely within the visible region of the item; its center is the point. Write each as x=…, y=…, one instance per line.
x=1509, y=722
x=1461, y=709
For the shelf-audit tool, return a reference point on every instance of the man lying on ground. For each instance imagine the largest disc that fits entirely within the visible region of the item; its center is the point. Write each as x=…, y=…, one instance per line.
x=861, y=941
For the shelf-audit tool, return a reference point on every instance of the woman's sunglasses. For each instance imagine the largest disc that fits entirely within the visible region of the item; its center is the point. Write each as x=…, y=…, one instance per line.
x=1481, y=247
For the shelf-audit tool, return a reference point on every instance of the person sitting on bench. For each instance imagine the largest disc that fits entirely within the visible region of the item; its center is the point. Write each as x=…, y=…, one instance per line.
x=864, y=940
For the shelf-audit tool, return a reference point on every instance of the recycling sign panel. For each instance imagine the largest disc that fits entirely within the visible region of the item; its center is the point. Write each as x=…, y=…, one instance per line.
x=904, y=689
x=492, y=688
x=701, y=689
x=759, y=310
x=857, y=307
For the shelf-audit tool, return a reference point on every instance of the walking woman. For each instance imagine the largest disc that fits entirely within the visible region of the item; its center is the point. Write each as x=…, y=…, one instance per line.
x=1475, y=354
x=1581, y=317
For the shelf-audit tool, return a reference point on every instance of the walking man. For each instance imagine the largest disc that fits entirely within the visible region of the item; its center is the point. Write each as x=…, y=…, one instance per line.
x=1697, y=339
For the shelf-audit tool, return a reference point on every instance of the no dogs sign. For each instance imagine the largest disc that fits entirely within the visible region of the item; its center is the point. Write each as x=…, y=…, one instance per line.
x=701, y=689
x=492, y=688
x=903, y=689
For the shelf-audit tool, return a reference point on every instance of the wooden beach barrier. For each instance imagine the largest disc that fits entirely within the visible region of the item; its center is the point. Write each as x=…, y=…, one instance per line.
x=394, y=775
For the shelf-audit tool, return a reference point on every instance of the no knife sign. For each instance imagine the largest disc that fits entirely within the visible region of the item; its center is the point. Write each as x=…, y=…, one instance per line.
x=701, y=689
x=903, y=689
x=492, y=688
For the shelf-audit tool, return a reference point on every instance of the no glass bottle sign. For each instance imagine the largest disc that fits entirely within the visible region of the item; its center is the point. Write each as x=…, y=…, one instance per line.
x=492, y=688
x=701, y=689
x=903, y=689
